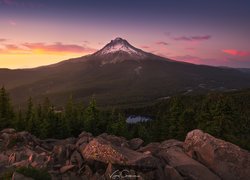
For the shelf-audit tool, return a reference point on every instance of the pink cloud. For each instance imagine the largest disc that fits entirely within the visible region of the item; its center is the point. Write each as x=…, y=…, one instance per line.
x=161, y=43
x=12, y=22
x=235, y=52
x=145, y=47
x=3, y=40
x=189, y=59
x=58, y=47
x=193, y=38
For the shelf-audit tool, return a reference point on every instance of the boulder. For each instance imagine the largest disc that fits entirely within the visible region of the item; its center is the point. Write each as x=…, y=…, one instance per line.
x=186, y=166
x=59, y=154
x=87, y=172
x=115, y=140
x=170, y=143
x=18, y=176
x=102, y=150
x=152, y=148
x=135, y=143
x=225, y=159
x=8, y=131
x=76, y=159
x=171, y=173
x=64, y=169
x=85, y=134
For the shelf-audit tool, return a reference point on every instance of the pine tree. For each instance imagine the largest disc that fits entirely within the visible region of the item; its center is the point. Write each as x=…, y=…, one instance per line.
x=30, y=119
x=6, y=110
x=91, y=114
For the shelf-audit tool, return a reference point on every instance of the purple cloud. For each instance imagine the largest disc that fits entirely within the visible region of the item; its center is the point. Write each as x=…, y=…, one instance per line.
x=22, y=3
x=193, y=38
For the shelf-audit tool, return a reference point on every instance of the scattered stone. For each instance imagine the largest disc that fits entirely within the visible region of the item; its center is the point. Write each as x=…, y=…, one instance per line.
x=201, y=156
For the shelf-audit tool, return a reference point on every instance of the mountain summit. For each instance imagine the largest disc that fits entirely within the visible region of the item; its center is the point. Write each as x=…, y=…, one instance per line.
x=119, y=50
x=119, y=74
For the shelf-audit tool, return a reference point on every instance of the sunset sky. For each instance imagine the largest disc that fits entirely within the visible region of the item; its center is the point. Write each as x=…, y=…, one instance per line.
x=40, y=32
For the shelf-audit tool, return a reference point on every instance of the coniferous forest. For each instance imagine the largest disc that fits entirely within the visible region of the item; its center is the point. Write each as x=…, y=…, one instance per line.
x=224, y=115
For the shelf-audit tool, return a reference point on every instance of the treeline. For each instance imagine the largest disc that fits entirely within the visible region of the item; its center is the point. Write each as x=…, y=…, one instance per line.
x=224, y=115
x=45, y=121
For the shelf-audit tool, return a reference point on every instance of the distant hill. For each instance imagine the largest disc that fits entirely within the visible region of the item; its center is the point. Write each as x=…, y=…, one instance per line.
x=119, y=74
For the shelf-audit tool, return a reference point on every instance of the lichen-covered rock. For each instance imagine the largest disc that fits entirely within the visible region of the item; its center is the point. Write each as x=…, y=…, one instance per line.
x=102, y=150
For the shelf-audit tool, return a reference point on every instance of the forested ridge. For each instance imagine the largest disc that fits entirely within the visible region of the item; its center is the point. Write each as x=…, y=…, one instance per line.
x=224, y=115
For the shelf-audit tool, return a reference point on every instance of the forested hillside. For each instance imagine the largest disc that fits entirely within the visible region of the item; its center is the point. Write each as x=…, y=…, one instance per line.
x=224, y=115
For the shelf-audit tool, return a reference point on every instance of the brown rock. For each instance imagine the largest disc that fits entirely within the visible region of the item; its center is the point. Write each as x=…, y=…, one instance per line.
x=23, y=163
x=185, y=165
x=225, y=159
x=8, y=131
x=18, y=176
x=115, y=140
x=4, y=159
x=102, y=150
x=135, y=143
x=171, y=173
x=82, y=140
x=170, y=143
x=153, y=148
x=85, y=134
x=87, y=172
x=12, y=158
x=76, y=159
x=59, y=154
x=64, y=169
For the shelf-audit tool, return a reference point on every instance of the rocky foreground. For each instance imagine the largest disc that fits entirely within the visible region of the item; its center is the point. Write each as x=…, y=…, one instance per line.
x=201, y=156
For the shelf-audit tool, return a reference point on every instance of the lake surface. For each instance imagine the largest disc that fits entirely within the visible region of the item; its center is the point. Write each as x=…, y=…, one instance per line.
x=136, y=118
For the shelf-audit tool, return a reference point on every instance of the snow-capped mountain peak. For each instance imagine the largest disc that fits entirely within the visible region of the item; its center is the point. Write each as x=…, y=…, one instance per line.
x=120, y=49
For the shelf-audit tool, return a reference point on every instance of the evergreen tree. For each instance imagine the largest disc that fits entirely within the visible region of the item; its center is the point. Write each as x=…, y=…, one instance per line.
x=6, y=110
x=91, y=115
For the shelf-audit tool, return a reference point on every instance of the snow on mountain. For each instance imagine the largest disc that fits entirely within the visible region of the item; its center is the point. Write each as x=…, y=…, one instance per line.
x=119, y=50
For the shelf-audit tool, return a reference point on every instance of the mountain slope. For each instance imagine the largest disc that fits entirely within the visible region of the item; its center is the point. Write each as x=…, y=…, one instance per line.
x=120, y=73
